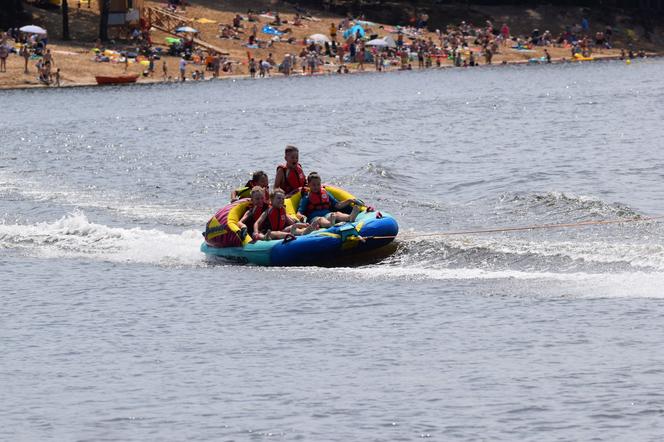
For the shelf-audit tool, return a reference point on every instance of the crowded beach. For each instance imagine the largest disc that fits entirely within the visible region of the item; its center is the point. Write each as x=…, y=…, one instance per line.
x=289, y=41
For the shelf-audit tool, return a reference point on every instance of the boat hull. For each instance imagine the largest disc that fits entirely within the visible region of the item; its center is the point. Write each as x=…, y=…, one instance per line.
x=116, y=79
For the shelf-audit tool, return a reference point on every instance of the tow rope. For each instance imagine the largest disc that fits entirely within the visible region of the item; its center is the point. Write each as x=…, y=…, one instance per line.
x=524, y=228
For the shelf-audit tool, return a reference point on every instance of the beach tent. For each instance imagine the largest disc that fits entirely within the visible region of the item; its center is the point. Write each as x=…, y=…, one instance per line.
x=319, y=38
x=33, y=29
x=187, y=29
x=267, y=29
x=353, y=31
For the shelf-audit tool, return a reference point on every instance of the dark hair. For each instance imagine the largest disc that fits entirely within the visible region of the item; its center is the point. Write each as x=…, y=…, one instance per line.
x=313, y=176
x=258, y=175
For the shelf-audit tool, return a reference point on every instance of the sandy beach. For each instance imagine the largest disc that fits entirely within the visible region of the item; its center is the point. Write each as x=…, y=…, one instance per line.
x=76, y=58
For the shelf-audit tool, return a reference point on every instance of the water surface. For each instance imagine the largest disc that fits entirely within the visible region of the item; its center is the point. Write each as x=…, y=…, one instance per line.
x=114, y=327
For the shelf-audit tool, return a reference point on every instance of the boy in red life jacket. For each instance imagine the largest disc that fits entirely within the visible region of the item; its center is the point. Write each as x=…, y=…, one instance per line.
x=259, y=178
x=256, y=209
x=320, y=207
x=290, y=176
x=275, y=223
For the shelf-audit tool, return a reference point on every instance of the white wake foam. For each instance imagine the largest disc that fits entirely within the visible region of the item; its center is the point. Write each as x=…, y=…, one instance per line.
x=578, y=284
x=640, y=256
x=75, y=236
x=125, y=205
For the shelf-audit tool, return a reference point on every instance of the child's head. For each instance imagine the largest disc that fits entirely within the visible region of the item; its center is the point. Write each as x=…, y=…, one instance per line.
x=260, y=179
x=292, y=155
x=257, y=196
x=313, y=180
x=277, y=198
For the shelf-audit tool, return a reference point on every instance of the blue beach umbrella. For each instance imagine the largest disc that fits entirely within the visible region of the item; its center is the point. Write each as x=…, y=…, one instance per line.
x=353, y=31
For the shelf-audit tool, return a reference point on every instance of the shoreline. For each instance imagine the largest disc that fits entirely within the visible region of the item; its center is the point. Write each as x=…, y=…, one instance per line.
x=233, y=77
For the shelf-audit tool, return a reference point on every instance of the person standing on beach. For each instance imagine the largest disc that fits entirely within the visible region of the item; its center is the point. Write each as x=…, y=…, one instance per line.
x=4, y=53
x=333, y=32
x=284, y=67
x=360, y=57
x=48, y=58
x=164, y=70
x=25, y=53
x=505, y=33
x=488, y=55
x=183, y=69
x=151, y=66
x=547, y=55
x=252, y=68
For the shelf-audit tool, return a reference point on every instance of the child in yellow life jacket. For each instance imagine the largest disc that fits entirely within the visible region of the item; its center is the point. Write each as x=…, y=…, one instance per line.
x=258, y=206
x=259, y=178
x=290, y=176
x=275, y=223
x=320, y=207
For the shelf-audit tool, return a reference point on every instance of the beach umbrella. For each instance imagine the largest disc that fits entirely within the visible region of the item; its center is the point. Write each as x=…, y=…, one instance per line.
x=187, y=29
x=319, y=38
x=390, y=42
x=353, y=31
x=378, y=42
x=32, y=29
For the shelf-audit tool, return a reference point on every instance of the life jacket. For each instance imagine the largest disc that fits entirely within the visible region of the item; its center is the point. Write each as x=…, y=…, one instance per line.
x=294, y=179
x=318, y=201
x=255, y=212
x=245, y=191
x=276, y=219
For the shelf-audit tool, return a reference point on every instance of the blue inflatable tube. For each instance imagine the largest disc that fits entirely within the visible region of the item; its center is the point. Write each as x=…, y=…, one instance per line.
x=341, y=244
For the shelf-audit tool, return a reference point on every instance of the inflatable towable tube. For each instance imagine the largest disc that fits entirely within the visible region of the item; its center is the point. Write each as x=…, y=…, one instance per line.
x=369, y=232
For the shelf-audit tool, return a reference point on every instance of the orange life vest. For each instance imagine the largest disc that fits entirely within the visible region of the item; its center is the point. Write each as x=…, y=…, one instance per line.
x=318, y=201
x=293, y=179
x=255, y=213
x=276, y=219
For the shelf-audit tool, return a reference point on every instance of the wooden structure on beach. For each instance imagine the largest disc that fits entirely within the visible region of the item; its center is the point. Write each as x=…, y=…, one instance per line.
x=167, y=21
x=123, y=12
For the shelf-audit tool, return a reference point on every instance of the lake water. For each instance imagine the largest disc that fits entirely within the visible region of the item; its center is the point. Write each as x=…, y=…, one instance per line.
x=114, y=327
